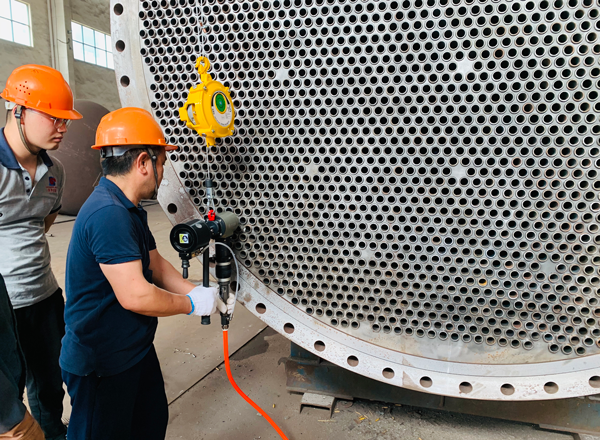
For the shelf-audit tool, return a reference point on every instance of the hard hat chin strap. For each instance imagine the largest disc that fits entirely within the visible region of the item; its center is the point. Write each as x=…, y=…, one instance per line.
x=18, y=115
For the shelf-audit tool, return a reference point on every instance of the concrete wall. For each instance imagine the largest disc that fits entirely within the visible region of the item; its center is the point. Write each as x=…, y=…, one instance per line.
x=14, y=55
x=93, y=13
x=92, y=82
x=88, y=81
x=97, y=84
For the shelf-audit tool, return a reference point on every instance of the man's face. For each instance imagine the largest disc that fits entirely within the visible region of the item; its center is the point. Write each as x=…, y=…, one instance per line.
x=160, y=164
x=40, y=129
x=161, y=159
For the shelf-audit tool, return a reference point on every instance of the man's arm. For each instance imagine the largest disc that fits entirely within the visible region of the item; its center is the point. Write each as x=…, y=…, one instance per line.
x=49, y=220
x=136, y=294
x=164, y=275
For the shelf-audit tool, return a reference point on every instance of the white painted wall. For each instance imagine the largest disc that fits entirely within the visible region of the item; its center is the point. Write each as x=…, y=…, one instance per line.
x=14, y=55
x=88, y=81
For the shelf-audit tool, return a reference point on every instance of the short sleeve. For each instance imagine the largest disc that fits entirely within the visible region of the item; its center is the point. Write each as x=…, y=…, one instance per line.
x=61, y=177
x=152, y=242
x=112, y=236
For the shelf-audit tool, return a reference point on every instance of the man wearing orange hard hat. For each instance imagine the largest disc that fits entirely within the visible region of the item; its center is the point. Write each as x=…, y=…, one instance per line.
x=40, y=106
x=117, y=284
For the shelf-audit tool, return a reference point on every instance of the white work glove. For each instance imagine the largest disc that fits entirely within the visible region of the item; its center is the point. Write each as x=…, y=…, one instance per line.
x=230, y=303
x=204, y=300
x=226, y=308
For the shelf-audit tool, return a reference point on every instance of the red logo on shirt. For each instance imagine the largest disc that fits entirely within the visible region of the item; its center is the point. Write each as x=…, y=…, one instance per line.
x=51, y=188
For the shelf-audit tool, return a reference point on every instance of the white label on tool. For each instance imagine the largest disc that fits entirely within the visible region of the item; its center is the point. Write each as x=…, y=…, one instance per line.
x=221, y=109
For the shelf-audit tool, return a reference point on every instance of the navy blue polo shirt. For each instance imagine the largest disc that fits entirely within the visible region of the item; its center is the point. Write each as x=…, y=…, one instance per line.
x=101, y=336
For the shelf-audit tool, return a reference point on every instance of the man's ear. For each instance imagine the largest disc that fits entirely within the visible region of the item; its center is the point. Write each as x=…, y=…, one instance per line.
x=142, y=161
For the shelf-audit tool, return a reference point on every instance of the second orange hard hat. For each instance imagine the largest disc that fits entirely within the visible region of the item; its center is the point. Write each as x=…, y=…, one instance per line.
x=41, y=88
x=130, y=126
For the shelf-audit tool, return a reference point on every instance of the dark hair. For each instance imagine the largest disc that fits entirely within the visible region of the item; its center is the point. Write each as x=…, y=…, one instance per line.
x=121, y=165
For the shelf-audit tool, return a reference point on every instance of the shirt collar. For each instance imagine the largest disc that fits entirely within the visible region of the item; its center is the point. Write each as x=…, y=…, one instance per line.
x=8, y=159
x=114, y=189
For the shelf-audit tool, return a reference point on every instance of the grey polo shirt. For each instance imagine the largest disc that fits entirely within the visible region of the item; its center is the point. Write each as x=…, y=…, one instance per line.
x=24, y=251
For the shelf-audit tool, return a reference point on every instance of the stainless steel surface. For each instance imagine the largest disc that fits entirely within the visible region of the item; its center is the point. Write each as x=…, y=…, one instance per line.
x=416, y=181
x=231, y=222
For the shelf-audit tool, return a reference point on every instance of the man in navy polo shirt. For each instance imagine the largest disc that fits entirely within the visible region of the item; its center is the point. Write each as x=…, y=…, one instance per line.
x=40, y=105
x=117, y=284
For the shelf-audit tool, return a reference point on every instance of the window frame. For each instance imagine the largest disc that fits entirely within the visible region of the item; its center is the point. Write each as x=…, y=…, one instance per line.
x=89, y=53
x=12, y=22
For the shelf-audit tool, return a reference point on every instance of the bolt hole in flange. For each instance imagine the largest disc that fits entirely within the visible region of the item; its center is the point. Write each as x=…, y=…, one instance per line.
x=551, y=388
x=124, y=81
x=352, y=361
x=120, y=46
x=507, y=389
x=261, y=308
x=595, y=381
x=289, y=328
x=172, y=208
x=388, y=373
x=465, y=387
x=320, y=346
x=118, y=9
x=426, y=382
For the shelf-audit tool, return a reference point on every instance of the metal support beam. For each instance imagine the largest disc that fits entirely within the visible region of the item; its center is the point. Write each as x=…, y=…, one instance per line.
x=307, y=373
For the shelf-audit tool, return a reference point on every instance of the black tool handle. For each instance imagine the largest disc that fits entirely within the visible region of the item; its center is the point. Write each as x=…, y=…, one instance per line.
x=223, y=272
x=184, y=265
x=205, y=279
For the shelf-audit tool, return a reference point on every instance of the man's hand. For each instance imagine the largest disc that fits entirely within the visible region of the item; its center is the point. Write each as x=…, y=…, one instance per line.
x=204, y=301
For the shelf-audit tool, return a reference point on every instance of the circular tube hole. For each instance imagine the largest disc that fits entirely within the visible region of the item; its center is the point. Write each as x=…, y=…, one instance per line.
x=320, y=346
x=388, y=373
x=352, y=361
x=426, y=382
x=465, y=387
x=261, y=308
x=507, y=389
x=289, y=328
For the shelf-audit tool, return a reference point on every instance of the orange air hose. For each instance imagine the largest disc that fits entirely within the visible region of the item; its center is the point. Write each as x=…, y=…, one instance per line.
x=240, y=392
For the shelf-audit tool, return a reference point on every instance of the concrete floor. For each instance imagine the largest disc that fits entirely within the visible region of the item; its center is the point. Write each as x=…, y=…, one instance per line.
x=204, y=406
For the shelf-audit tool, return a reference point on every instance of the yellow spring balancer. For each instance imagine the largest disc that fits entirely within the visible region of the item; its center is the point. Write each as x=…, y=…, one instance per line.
x=209, y=108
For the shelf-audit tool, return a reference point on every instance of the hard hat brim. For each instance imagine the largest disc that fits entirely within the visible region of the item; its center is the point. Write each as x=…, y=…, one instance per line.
x=64, y=114
x=167, y=147
x=57, y=113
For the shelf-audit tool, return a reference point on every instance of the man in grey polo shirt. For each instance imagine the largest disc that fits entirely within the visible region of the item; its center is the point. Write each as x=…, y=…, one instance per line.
x=40, y=105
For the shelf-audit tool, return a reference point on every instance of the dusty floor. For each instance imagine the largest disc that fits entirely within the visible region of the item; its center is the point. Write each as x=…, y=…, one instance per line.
x=203, y=405
x=213, y=410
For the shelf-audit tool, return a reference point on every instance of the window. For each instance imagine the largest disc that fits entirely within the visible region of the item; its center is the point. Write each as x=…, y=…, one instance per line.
x=91, y=46
x=15, y=23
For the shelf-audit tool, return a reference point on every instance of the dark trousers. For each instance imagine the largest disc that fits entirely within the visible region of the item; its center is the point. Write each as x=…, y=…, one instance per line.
x=127, y=406
x=41, y=328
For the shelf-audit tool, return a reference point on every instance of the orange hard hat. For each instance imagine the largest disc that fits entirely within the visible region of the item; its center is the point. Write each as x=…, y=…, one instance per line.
x=130, y=126
x=41, y=88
